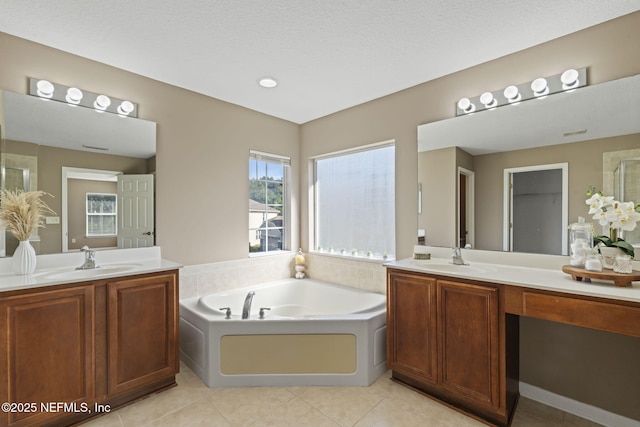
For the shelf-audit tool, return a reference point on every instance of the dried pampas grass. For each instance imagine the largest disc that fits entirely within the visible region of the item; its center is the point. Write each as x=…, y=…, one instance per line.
x=23, y=212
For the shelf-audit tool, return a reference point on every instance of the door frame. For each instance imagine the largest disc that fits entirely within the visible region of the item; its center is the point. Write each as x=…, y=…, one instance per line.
x=507, y=238
x=470, y=205
x=78, y=173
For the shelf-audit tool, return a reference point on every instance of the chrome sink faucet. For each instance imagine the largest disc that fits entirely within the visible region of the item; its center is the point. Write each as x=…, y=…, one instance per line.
x=456, y=257
x=89, y=259
x=247, y=305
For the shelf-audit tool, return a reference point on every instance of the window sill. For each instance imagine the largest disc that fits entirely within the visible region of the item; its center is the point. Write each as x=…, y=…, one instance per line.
x=373, y=260
x=271, y=253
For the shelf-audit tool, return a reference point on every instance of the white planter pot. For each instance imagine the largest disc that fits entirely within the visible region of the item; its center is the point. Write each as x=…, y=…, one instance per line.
x=24, y=258
x=609, y=255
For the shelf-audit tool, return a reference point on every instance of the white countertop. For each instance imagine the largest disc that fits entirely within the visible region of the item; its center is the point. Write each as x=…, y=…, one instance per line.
x=59, y=269
x=548, y=279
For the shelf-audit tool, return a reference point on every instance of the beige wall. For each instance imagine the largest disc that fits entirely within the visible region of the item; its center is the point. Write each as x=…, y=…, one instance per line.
x=202, y=149
x=609, y=51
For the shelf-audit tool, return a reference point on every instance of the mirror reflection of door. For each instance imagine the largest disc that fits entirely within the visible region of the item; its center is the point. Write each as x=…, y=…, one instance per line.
x=135, y=207
x=537, y=209
x=106, y=209
x=466, y=213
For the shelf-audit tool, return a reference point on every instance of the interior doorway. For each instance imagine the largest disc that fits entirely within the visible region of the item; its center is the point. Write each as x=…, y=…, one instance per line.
x=536, y=209
x=466, y=211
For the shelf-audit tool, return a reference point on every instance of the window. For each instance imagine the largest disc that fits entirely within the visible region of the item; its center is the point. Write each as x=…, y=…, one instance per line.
x=267, y=202
x=101, y=214
x=355, y=202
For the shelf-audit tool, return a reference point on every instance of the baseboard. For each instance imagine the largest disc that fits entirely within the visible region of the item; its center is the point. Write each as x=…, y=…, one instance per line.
x=583, y=410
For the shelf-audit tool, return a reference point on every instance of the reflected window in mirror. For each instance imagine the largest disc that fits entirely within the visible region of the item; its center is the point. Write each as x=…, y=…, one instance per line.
x=102, y=218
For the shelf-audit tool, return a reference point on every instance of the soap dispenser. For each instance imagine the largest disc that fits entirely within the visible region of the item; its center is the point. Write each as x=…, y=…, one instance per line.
x=580, y=242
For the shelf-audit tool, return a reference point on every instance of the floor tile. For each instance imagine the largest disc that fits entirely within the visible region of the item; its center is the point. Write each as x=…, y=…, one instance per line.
x=199, y=414
x=246, y=405
x=383, y=404
x=295, y=413
x=344, y=405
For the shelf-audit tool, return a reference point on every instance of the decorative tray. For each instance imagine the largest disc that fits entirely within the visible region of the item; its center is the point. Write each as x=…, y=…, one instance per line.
x=619, y=279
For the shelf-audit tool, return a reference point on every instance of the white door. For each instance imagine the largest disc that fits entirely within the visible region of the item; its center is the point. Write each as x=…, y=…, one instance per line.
x=135, y=211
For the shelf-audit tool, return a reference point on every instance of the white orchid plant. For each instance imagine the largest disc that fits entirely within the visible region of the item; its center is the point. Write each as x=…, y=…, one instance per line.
x=614, y=214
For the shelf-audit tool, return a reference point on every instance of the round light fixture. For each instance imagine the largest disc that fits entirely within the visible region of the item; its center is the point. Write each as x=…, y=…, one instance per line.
x=466, y=105
x=102, y=102
x=539, y=86
x=512, y=94
x=488, y=100
x=268, y=82
x=125, y=108
x=45, y=88
x=74, y=95
x=570, y=79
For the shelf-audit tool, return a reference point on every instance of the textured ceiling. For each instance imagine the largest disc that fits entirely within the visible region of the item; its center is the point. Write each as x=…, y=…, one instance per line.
x=328, y=55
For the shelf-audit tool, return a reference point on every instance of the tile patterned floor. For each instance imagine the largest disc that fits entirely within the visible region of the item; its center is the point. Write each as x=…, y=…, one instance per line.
x=383, y=404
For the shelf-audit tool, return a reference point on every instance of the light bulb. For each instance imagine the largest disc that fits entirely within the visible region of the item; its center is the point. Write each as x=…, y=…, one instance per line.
x=539, y=86
x=488, y=100
x=570, y=79
x=512, y=94
x=466, y=105
x=102, y=102
x=45, y=88
x=125, y=108
x=74, y=95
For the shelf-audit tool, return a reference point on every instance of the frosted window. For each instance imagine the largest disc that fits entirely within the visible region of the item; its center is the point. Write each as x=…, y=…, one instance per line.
x=355, y=202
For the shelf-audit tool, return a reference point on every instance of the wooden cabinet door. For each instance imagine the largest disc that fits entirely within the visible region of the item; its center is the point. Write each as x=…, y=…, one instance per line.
x=142, y=331
x=47, y=354
x=468, y=332
x=411, y=326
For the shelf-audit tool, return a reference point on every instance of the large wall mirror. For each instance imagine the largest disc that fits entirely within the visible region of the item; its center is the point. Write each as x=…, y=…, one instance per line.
x=98, y=167
x=530, y=163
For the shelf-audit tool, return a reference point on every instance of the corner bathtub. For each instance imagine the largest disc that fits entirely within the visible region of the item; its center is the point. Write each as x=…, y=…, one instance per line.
x=315, y=333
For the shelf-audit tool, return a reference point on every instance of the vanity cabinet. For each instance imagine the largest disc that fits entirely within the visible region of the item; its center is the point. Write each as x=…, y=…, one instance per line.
x=142, y=332
x=46, y=353
x=447, y=338
x=70, y=351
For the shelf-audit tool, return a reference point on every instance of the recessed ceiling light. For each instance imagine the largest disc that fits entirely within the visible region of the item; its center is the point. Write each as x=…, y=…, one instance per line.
x=268, y=82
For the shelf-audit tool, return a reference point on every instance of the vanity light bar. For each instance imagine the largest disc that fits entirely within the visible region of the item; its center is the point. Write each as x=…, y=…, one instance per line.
x=73, y=96
x=539, y=88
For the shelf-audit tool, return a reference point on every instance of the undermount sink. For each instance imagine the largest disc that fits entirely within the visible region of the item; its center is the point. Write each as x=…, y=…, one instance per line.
x=101, y=270
x=454, y=268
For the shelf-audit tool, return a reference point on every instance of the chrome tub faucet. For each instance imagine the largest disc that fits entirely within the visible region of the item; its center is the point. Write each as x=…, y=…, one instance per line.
x=247, y=305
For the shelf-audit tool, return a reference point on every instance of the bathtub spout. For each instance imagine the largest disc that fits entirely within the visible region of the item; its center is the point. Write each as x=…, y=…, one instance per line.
x=247, y=305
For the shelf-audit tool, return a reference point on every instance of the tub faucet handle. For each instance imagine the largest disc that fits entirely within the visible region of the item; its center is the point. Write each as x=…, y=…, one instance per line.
x=227, y=310
x=262, y=309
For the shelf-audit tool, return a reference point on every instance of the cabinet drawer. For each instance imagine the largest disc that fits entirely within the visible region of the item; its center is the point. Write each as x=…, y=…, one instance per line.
x=580, y=312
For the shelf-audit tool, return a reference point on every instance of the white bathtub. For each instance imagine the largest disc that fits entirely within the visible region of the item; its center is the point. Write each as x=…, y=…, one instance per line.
x=315, y=333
